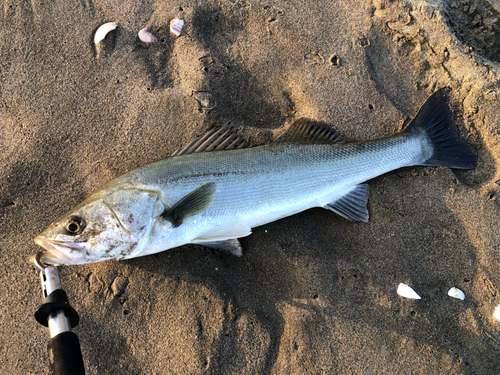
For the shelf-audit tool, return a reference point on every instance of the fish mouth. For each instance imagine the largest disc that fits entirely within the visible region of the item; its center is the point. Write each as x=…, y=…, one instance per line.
x=60, y=252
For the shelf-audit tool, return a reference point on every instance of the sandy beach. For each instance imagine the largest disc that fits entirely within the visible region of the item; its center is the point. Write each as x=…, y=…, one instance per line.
x=313, y=293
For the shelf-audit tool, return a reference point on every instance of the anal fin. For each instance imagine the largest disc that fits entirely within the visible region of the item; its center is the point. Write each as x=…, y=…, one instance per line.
x=352, y=205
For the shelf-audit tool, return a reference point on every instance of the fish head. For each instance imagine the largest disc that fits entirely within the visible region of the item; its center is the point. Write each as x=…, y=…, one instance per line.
x=107, y=225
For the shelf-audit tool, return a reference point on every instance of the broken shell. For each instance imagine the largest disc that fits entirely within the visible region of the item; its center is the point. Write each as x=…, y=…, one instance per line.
x=176, y=26
x=407, y=292
x=205, y=99
x=496, y=313
x=146, y=36
x=456, y=293
x=103, y=30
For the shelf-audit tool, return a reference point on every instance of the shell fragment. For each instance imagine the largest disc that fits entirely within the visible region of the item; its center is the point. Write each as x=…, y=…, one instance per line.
x=407, y=292
x=176, y=26
x=496, y=313
x=103, y=30
x=456, y=293
x=205, y=99
x=146, y=36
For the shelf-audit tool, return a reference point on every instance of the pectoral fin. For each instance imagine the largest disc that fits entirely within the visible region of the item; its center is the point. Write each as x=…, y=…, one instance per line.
x=352, y=206
x=191, y=205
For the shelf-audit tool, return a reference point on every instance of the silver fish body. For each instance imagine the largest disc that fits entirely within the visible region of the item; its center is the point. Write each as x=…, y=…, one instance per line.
x=213, y=198
x=255, y=186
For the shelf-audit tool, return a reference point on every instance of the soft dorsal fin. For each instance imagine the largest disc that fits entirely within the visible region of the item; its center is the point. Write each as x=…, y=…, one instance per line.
x=225, y=138
x=307, y=130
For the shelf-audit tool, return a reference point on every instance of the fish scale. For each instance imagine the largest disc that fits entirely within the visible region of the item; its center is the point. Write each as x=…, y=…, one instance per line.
x=280, y=170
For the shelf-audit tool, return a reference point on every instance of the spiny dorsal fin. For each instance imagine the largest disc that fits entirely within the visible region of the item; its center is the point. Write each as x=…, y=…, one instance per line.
x=307, y=130
x=191, y=205
x=225, y=138
x=352, y=206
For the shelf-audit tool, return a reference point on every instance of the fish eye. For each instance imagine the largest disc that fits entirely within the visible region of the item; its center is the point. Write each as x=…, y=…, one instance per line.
x=75, y=225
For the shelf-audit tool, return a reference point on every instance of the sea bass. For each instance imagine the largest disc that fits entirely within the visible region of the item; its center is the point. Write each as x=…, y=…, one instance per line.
x=216, y=189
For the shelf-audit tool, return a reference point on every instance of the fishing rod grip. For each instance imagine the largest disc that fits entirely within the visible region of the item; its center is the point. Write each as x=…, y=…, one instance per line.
x=65, y=355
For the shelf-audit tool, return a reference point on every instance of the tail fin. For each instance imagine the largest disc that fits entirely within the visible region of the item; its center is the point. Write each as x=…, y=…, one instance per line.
x=436, y=121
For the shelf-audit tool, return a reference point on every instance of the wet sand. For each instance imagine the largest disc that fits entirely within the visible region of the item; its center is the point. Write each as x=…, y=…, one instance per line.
x=313, y=293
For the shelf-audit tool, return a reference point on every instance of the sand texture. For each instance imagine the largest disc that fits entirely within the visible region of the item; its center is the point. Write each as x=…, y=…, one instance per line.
x=313, y=293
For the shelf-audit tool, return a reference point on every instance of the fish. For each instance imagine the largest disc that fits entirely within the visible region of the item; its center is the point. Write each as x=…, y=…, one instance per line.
x=216, y=189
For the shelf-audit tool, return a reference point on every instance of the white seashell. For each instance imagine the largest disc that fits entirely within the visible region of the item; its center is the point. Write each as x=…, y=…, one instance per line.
x=456, y=293
x=176, y=26
x=496, y=313
x=146, y=36
x=103, y=30
x=407, y=292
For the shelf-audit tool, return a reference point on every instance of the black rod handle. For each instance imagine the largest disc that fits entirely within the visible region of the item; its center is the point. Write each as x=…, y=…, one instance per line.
x=65, y=355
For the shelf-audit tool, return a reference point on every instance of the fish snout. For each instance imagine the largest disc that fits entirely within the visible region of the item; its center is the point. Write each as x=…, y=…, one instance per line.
x=60, y=252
